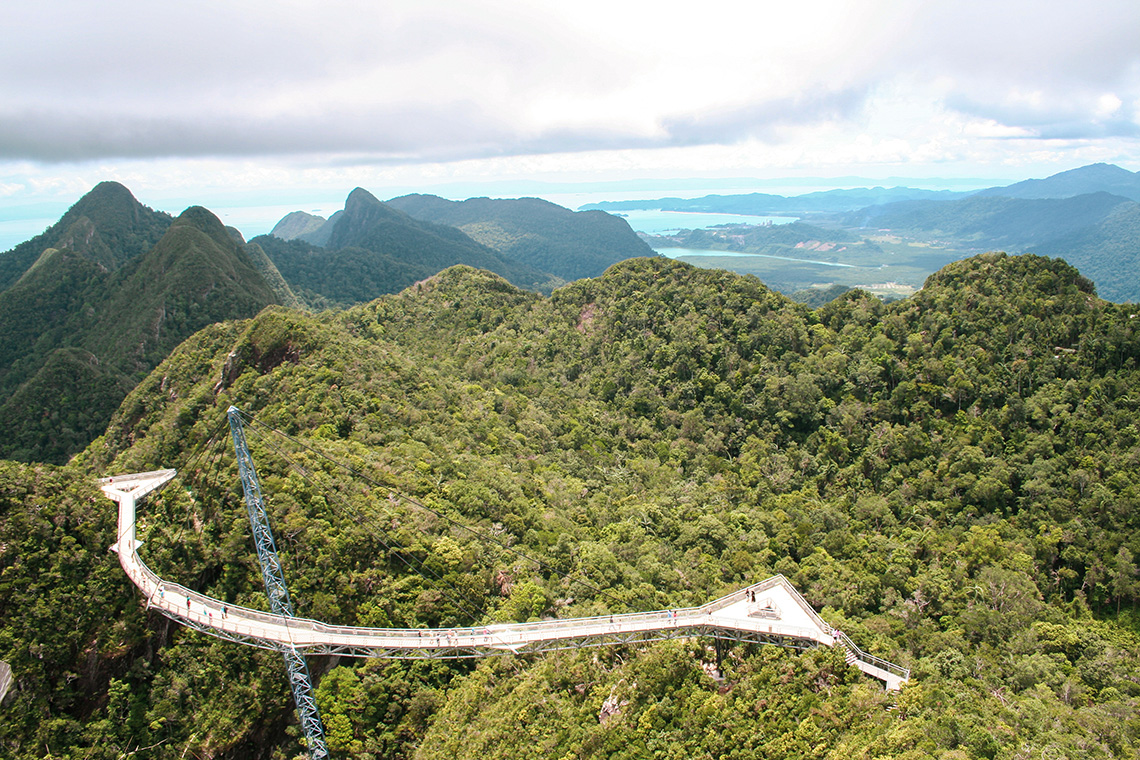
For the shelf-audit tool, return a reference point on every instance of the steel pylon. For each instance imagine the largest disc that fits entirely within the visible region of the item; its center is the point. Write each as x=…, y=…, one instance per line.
x=299, y=680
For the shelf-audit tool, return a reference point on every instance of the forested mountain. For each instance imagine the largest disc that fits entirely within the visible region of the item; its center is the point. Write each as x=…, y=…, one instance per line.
x=1098, y=232
x=953, y=479
x=297, y=223
x=535, y=232
x=273, y=277
x=993, y=221
x=107, y=226
x=78, y=337
x=370, y=249
x=1094, y=178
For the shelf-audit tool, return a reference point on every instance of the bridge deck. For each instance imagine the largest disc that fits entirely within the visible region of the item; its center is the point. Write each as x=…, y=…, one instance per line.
x=778, y=616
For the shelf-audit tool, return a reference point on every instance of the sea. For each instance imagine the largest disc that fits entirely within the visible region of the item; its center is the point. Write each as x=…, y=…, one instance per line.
x=684, y=253
x=657, y=222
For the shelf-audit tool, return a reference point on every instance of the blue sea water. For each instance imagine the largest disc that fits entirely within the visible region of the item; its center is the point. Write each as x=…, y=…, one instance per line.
x=681, y=253
x=16, y=231
x=657, y=222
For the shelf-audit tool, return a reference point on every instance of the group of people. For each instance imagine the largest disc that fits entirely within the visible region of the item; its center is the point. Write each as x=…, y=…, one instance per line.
x=209, y=612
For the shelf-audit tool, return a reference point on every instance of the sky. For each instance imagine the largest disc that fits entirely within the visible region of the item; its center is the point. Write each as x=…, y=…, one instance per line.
x=248, y=103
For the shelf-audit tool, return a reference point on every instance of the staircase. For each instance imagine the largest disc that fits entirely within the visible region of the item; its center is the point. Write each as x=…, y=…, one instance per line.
x=893, y=676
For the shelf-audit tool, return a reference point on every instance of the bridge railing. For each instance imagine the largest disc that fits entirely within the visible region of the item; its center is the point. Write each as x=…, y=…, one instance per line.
x=871, y=659
x=164, y=594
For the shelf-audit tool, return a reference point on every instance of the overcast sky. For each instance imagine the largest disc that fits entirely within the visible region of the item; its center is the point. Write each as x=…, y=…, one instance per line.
x=182, y=98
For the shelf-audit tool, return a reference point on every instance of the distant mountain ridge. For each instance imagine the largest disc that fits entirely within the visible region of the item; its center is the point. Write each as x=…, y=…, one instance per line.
x=1093, y=178
x=79, y=335
x=763, y=204
x=993, y=220
x=371, y=249
x=535, y=232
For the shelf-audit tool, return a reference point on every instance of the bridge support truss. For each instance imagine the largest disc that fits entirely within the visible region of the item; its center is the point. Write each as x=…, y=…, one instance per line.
x=299, y=680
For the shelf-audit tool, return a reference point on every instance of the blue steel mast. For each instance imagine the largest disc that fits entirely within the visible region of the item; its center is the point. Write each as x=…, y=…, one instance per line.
x=279, y=602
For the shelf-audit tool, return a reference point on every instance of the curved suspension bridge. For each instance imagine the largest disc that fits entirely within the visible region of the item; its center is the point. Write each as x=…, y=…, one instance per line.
x=769, y=612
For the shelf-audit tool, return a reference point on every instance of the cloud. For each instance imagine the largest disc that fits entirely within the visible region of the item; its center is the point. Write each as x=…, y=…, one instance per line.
x=1035, y=70
x=416, y=82
x=766, y=120
x=1058, y=116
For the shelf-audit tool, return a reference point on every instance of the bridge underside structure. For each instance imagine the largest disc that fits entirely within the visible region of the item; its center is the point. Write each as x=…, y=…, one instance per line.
x=778, y=615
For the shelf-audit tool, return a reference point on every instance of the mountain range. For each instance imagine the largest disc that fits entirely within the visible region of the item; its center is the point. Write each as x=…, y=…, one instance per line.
x=100, y=297
x=528, y=231
x=1094, y=178
x=117, y=288
x=1088, y=216
x=370, y=248
x=764, y=204
x=952, y=479
x=96, y=301
x=535, y=232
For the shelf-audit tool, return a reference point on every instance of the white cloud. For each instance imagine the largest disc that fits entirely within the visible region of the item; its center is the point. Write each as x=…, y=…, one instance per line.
x=359, y=89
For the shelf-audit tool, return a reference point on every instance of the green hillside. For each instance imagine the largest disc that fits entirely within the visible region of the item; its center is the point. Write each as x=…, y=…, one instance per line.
x=77, y=338
x=107, y=226
x=952, y=479
x=535, y=232
x=370, y=249
x=1107, y=253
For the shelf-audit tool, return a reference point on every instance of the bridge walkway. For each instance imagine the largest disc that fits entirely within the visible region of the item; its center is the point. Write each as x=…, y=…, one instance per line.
x=769, y=612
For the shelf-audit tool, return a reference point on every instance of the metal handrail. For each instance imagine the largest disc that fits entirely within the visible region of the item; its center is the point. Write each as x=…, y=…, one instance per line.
x=870, y=659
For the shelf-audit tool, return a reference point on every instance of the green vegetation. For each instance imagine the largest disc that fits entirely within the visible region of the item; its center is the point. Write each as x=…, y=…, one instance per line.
x=370, y=249
x=77, y=337
x=535, y=232
x=817, y=297
x=107, y=226
x=953, y=479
